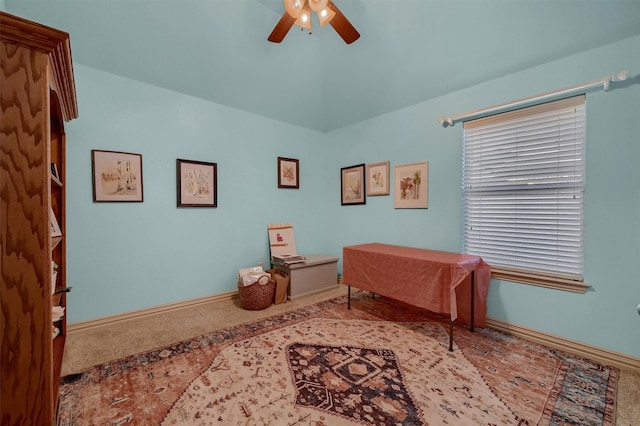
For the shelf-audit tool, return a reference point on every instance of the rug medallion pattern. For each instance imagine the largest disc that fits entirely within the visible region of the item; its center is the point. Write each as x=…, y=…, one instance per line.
x=330, y=381
x=379, y=363
x=339, y=379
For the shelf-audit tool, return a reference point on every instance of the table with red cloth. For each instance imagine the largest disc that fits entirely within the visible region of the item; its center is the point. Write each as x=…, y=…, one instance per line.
x=442, y=282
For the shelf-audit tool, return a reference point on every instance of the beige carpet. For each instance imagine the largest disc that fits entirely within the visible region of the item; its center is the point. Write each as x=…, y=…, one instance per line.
x=107, y=343
x=114, y=341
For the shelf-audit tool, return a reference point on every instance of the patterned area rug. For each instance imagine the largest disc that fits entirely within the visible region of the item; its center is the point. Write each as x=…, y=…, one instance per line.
x=379, y=363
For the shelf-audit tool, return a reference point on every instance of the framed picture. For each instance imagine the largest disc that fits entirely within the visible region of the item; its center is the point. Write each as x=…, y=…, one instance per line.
x=54, y=171
x=55, y=227
x=197, y=183
x=352, y=185
x=411, y=184
x=378, y=178
x=117, y=176
x=55, y=176
x=288, y=173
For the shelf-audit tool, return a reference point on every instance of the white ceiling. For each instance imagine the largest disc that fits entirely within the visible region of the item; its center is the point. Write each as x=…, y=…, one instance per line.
x=409, y=50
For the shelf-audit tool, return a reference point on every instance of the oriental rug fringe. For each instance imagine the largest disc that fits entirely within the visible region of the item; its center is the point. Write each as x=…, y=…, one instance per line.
x=380, y=363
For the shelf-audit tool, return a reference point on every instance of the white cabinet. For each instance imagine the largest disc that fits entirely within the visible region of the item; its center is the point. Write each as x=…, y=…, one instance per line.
x=317, y=273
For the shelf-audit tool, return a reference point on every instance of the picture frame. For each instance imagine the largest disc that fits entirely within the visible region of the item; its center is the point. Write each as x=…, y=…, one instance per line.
x=288, y=173
x=117, y=176
x=55, y=226
x=197, y=183
x=55, y=175
x=378, y=178
x=411, y=186
x=352, y=185
x=54, y=171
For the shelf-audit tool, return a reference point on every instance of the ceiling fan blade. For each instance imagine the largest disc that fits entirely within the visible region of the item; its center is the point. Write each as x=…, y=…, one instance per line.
x=282, y=28
x=342, y=25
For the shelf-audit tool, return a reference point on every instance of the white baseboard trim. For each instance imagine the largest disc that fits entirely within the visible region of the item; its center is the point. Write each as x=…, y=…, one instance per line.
x=603, y=356
x=88, y=325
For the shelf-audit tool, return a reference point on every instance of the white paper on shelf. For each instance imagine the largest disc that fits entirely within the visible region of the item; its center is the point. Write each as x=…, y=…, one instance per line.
x=57, y=312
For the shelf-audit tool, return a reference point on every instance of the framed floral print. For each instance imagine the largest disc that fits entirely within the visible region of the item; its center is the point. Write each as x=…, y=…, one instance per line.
x=288, y=173
x=411, y=186
x=378, y=178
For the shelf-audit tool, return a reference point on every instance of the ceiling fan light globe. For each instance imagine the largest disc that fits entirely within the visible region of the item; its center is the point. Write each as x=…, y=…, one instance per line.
x=294, y=7
x=304, y=20
x=318, y=5
x=325, y=16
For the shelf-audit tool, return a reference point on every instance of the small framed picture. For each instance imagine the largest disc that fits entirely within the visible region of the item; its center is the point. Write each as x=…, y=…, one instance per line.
x=55, y=176
x=378, y=178
x=117, y=176
x=197, y=183
x=352, y=185
x=411, y=184
x=288, y=173
x=55, y=227
x=54, y=171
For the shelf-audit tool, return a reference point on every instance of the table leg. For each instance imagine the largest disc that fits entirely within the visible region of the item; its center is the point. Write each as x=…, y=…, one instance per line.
x=473, y=301
x=450, y=335
x=349, y=297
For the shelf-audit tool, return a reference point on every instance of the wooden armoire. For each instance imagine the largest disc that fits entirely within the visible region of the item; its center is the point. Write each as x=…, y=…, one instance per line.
x=37, y=96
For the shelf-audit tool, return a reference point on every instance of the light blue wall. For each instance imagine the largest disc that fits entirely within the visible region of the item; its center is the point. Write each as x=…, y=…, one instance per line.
x=606, y=315
x=128, y=256
x=124, y=257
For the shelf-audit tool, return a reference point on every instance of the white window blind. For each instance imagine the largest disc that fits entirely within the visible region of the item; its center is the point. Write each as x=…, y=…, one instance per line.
x=523, y=189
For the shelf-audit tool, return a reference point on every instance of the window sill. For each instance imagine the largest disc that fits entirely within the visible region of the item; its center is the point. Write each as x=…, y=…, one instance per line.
x=541, y=280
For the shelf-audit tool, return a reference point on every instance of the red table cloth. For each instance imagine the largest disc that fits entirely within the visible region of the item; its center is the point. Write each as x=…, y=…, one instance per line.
x=437, y=281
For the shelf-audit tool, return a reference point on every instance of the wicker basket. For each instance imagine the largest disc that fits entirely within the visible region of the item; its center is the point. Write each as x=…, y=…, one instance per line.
x=257, y=296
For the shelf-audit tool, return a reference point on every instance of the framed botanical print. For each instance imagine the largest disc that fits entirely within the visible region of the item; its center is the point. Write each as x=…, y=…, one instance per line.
x=288, y=173
x=378, y=178
x=352, y=185
x=411, y=186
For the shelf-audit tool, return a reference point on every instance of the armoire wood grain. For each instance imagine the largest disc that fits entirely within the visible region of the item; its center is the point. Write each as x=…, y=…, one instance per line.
x=37, y=96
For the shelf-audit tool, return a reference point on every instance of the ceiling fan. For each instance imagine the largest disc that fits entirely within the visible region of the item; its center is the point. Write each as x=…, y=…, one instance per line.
x=299, y=12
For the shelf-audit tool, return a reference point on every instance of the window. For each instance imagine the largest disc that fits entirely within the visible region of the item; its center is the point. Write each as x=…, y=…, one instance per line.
x=523, y=193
